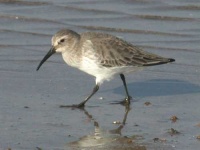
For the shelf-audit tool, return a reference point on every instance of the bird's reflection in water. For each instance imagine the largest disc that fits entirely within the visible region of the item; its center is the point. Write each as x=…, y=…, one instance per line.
x=106, y=139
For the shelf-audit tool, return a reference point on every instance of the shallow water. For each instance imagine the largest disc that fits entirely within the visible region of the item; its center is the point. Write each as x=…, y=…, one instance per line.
x=30, y=116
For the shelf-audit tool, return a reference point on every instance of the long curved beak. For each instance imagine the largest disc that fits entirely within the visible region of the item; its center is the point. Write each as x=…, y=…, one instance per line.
x=51, y=52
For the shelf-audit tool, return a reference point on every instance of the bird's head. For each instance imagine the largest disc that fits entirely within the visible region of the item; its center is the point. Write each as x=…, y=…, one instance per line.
x=62, y=41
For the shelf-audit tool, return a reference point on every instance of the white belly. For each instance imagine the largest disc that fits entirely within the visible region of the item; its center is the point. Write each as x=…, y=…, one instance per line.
x=104, y=73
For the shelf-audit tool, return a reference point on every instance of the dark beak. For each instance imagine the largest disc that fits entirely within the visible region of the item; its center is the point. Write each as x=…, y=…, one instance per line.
x=51, y=52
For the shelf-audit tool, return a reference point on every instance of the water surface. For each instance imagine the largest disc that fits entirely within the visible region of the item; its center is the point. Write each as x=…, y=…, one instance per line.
x=30, y=117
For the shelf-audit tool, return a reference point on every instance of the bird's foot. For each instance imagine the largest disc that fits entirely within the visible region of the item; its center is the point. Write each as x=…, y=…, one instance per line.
x=125, y=102
x=75, y=106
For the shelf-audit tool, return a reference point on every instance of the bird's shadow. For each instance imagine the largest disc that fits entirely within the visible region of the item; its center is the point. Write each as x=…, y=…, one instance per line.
x=159, y=87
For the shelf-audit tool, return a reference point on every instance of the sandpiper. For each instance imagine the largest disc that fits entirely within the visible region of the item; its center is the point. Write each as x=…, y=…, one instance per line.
x=102, y=56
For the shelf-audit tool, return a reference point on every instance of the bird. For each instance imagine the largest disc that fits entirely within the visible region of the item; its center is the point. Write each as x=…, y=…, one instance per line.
x=101, y=55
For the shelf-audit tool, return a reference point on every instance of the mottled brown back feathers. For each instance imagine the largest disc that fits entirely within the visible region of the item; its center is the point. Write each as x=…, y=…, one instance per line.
x=113, y=51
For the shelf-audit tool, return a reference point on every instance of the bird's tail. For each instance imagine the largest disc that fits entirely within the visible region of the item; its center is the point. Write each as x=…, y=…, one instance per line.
x=163, y=61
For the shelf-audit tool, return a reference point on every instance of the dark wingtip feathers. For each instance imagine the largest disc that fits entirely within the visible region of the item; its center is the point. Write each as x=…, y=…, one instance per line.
x=168, y=60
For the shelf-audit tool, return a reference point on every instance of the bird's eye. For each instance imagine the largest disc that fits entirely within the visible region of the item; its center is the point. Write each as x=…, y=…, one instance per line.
x=62, y=40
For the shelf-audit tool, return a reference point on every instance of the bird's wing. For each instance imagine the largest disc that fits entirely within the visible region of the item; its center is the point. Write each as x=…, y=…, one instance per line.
x=113, y=51
x=110, y=51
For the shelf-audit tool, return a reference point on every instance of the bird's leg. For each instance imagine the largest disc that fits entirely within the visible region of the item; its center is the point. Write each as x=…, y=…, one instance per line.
x=128, y=97
x=82, y=104
x=95, y=89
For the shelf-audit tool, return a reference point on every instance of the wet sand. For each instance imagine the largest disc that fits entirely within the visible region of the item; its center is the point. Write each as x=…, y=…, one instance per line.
x=30, y=117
